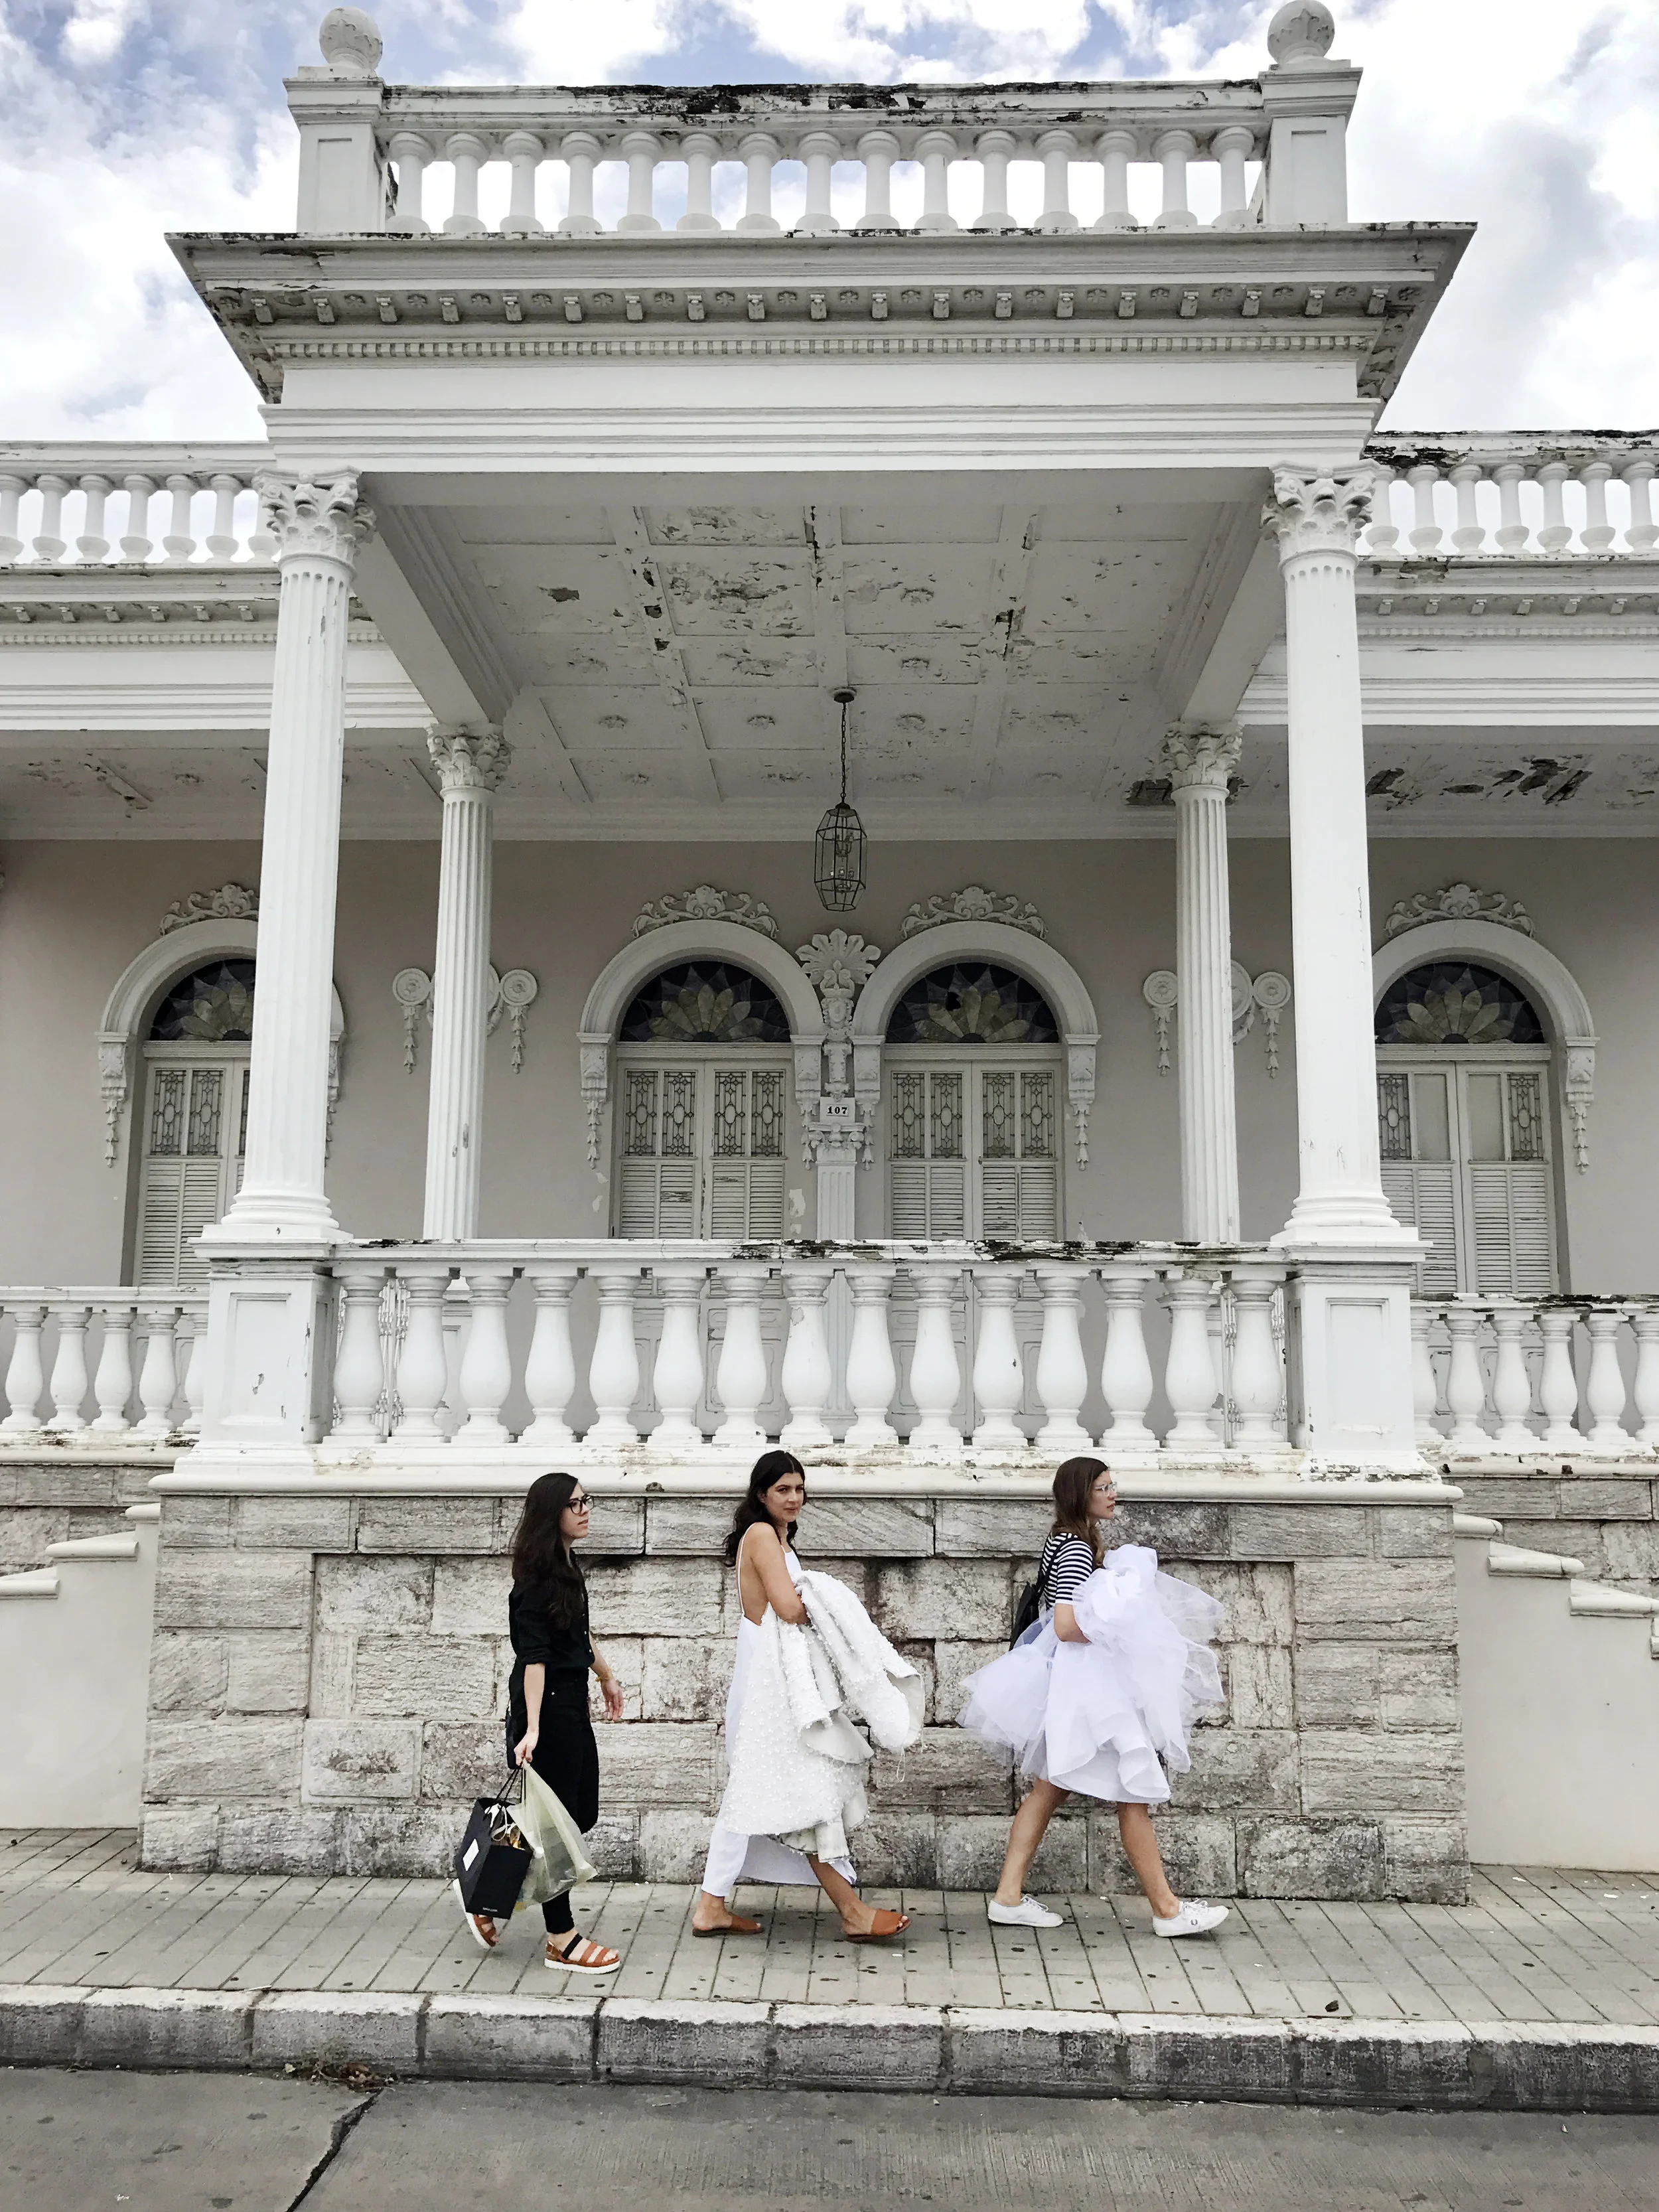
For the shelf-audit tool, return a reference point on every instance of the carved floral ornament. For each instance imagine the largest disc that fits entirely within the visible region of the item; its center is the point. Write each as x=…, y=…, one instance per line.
x=1319, y=513
x=973, y=903
x=230, y=902
x=1267, y=994
x=705, y=903
x=838, y=964
x=1458, y=902
x=511, y=994
x=326, y=520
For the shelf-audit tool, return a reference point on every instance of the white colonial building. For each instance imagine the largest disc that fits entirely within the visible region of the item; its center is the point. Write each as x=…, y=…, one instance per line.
x=437, y=1045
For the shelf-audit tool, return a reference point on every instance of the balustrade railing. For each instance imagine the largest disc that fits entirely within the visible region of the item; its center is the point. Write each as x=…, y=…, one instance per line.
x=1520, y=496
x=102, y=1367
x=132, y=507
x=1555, y=1379
x=679, y=1351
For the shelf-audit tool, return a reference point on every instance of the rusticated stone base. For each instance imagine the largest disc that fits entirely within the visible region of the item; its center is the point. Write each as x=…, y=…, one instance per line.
x=50, y=1499
x=329, y=1673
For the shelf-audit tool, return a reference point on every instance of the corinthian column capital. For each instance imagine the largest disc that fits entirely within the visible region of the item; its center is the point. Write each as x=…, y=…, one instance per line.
x=469, y=760
x=323, y=518
x=1311, y=513
x=1200, y=758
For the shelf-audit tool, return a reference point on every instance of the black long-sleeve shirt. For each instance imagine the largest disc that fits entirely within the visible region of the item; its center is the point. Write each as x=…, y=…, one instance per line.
x=539, y=1641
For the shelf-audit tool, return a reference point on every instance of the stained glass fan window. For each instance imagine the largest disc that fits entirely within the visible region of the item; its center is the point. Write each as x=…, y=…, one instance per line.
x=214, y=1005
x=1454, y=1003
x=705, y=1002
x=972, y=1003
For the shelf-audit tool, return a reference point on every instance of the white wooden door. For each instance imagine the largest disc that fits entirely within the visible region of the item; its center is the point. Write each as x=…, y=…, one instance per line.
x=701, y=1148
x=195, y=1132
x=973, y=1147
x=1467, y=1161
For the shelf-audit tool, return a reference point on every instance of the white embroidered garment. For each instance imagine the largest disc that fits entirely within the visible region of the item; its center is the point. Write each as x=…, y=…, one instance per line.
x=1110, y=1718
x=877, y=1683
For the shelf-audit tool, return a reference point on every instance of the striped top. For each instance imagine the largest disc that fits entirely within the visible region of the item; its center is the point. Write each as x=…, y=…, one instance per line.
x=1067, y=1563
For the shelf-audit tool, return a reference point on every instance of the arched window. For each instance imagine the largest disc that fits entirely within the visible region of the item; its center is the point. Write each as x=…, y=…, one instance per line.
x=1463, y=1113
x=703, y=1062
x=195, y=1115
x=974, y=1070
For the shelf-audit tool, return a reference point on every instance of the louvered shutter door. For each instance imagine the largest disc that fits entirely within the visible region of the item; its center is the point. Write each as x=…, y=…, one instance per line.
x=999, y=1199
x=202, y=1201
x=728, y=1198
x=1435, y=1212
x=1531, y=1203
x=1039, y=1200
x=908, y=1201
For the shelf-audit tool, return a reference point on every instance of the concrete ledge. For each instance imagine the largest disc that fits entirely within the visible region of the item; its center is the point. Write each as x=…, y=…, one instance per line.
x=1504, y=2066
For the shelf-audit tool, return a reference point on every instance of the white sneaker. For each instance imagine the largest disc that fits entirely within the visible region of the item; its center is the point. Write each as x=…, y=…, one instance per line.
x=1028, y=1913
x=1195, y=1917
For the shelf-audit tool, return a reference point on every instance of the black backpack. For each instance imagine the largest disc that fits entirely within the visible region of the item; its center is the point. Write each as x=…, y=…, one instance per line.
x=1027, y=1609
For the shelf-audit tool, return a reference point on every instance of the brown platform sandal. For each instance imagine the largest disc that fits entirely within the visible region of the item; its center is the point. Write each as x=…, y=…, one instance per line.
x=581, y=1956
x=737, y=1925
x=888, y=1924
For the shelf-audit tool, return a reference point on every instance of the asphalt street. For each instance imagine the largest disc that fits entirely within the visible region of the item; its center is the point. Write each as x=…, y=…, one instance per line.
x=81, y=2142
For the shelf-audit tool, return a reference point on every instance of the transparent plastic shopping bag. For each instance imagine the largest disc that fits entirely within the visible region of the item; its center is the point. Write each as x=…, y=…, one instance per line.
x=559, y=1861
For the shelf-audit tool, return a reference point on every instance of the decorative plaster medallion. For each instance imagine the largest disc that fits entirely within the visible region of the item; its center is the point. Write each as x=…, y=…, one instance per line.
x=1269, y=993
x=705, y=903
x=973, y=903
x=1458, y=902
x=511, y=994
x=230, y=902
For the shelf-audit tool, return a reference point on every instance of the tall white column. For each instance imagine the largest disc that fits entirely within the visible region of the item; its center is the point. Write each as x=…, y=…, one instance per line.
x=1200, y=762
x=317, y=528
x=1317, y=520
x=469, y=767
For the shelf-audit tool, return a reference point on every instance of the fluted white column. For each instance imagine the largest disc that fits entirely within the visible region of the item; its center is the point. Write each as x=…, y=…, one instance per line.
x=317, y=528
x=1316, y=519
x=468, y=769
x=1200, y=762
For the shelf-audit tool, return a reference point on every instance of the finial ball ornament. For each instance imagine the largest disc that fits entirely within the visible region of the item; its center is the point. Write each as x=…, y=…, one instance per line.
x=1301, y=33
x=350, y=40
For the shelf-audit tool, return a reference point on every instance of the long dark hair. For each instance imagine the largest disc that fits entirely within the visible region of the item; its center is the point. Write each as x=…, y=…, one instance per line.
x=542, y=1560
x=1073, y=1480
x=771, y=1467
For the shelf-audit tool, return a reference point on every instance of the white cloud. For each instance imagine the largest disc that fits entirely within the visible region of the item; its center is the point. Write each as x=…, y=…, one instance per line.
x=96, y=28
x=598, y=45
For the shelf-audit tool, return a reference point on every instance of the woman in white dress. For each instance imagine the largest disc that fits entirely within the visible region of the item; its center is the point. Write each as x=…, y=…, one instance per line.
x=759, y=1548
x=1097, y=1696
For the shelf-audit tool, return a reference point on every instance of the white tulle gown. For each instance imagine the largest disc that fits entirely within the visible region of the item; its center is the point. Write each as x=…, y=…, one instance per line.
x=1110, y=1717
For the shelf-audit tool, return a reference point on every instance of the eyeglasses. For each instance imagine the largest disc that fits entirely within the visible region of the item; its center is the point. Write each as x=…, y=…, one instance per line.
x=578, y=1504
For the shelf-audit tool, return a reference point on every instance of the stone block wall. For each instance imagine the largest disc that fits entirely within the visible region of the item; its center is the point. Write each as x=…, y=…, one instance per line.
x=49, y=1499
x=329, y=1674
x=1607, y=1517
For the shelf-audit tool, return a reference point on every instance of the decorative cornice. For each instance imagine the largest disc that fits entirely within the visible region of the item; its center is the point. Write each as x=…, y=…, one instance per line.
x=1328, y=344
x=1458, y=902
x=705, y=903
x=324, y=519
x=468, y=760
x=1200, y=758
x=230, y=902
x=1318, y=513
x=973, y=903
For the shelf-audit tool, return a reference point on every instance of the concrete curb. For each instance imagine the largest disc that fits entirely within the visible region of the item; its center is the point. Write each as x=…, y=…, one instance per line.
x=1506, y=2066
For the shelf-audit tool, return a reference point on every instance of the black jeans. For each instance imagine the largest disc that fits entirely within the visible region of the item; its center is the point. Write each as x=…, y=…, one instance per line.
x=567, y=1758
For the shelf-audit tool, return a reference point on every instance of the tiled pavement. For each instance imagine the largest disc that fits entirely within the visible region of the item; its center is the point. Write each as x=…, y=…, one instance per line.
x=1533, y=1945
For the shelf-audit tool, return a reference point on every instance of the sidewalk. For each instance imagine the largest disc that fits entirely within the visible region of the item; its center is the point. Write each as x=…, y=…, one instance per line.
x=1544, y=1963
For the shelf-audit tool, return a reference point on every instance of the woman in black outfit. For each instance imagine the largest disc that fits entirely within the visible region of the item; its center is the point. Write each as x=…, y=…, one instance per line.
x=547, y=1719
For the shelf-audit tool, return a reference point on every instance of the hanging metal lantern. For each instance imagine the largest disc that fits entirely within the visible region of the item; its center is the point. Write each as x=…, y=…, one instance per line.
x=838, y=848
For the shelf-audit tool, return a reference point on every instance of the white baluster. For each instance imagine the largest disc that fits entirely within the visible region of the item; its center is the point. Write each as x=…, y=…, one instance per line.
x=468, y=151
x=550, y=1371
x=1062, y=1372
x=1512, y=531
x=740, y=1377
x=423, y=1361
x=1470, y=534
x=1558, y=1385
x=641, y=150
x=1426, y=1390
x=999, y=1378
x=676, y=1376
x=92, y=545
x=700, y=149
x=221, y=538
x=1604, y=1385
x=995, y=149
x=935, y=1370
x=1427, y=533
x=1645, y=1320
x=581, y=150
x=1055, y=149
x=134, y=544
x=524, y=150
x=486, y=1363
x=807, y=1379
x=1172, y=150
x=194, y=1365
x=1644, y=532
x=1466, y=1384
x=1512, y=1385
x=877, y=150
x=936, y=150
x=69, y=1369
x=158, y=1378
x=179, y=542
x=1126, y=1368
x=12, y=490
x=758, y=150
x=613, y=1373
x=1597, y=535
x=1557, y=532
x=49, y=543
x=1382, y=538
x=410, y=155
x=1231, y=149
x=872, y=1377
x=25, y=1376
x=1258, y=1377
x=112, y=1384
x=1189, y=1376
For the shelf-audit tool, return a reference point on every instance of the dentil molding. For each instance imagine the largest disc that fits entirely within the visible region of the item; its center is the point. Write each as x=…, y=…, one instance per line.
x=1267, y=994
x=511, y=994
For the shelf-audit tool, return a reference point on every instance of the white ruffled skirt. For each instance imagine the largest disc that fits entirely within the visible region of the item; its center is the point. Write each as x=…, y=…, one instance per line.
x=1110, y=1717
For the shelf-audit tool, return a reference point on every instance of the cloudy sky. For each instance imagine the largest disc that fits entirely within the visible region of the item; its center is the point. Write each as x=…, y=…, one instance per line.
x=128, y=118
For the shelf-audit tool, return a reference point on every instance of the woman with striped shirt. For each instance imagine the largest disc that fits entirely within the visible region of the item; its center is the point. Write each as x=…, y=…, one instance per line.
x=1097, y=1696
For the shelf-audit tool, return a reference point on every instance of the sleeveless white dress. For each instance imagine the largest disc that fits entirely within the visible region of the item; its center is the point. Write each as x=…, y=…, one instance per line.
x=732, y=1857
